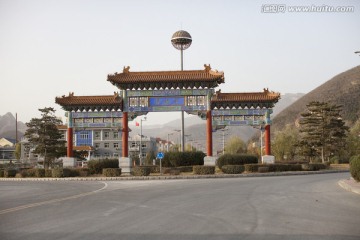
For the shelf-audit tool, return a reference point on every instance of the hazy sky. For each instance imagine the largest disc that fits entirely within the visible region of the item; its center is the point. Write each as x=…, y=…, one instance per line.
x=49, y=48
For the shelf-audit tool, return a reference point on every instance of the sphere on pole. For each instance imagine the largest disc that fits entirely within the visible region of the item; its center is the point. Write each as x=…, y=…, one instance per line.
x=181, y=40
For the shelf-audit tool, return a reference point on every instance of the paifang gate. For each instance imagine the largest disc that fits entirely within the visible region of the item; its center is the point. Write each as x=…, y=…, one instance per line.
x=192, y=91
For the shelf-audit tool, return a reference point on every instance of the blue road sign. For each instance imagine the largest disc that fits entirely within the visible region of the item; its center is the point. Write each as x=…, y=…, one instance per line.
x=160, y=155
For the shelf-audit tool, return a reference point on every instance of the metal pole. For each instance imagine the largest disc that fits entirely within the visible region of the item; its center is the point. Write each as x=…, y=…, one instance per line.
x=182, y=112
x=140, y=147
x=223, y=141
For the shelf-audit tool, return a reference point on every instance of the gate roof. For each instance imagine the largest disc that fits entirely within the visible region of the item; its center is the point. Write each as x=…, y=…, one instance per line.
x=87, y=103
x=206, y=78
x=265, y=99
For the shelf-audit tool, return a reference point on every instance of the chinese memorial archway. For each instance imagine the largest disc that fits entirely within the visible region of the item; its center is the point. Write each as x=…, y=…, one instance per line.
x=163, y=91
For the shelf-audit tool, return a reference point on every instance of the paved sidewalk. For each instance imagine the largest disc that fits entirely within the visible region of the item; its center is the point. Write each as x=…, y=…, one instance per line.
x=350, y=185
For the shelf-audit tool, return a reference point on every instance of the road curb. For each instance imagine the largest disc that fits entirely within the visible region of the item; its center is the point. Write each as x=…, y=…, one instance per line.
x=130, y=178
x=350, y=185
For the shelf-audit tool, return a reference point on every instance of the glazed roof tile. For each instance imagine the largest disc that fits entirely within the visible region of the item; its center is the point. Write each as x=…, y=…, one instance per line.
x=265, y=96
x=128, y=80
x=72, y=102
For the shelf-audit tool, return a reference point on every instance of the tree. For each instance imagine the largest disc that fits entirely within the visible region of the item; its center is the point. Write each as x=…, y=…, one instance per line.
x=150, y=156
x=353, y=141
x=285, y=142
x=44, y=134
x=17, y=151
x=323, y=131
x=235, y=145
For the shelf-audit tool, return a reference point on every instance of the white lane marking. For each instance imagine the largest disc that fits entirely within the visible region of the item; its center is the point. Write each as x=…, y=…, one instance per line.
x=14, y=209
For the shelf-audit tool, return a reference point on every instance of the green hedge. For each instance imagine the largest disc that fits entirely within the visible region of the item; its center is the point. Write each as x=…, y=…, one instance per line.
x=236, y=159
x=355, y=167
x=251, y=167
x=177, y=159
x=233, y=169
x=313, y=166
x=96, y=166
x=141, y=171
x=203, y=170
x=111, y=172
x=276, y=167
x=10, y=173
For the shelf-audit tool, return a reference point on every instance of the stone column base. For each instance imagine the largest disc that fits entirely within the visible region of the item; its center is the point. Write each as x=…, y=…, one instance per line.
x=268, y=159
x=69, y=162
x=210, y=161
x=126, y=165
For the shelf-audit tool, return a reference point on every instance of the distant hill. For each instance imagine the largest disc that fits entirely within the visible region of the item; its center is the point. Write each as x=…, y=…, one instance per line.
x=343, y=89
x=7, y=127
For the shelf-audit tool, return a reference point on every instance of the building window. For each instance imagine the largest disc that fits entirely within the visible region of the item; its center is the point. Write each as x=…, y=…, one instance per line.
x=97, y=145
x=106, y=135
x=133, y=144
x=116, y=135
x=143, y=145
x=106, y=145
x=97, y=135
x=84, y=135
x=107, y=155
x=116, y=155
x=116, y=145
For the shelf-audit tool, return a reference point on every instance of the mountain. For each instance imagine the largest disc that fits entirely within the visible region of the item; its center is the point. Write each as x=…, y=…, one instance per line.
x=343, y=89
x=7, y=127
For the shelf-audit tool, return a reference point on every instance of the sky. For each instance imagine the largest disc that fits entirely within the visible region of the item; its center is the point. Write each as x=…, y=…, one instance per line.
x=49, y=48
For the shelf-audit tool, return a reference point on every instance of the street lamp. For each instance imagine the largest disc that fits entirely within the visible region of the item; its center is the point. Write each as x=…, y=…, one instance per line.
x=179, y=131
x=140, y=155
x=223, y=138
x=167, y=143
x=181, y=40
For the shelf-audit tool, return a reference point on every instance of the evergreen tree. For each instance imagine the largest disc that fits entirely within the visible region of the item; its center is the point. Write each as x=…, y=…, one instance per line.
x=323, y=131
x=44, y=134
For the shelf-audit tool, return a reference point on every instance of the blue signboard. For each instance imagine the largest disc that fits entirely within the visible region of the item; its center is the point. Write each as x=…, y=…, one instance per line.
x=160, y=155
x=166, y=101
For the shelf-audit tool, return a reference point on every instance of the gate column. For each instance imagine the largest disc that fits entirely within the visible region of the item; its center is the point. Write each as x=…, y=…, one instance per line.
x=209, y=146
x=125, y=136
x=267, y=140
x=70, y=136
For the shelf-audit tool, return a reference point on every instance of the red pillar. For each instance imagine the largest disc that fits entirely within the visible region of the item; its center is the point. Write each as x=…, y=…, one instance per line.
x=209, y=134
x=267, y=140
x=70, y=142
x=125, y=136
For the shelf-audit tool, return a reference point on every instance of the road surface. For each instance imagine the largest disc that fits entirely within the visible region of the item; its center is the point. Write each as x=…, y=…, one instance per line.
x=283, y=207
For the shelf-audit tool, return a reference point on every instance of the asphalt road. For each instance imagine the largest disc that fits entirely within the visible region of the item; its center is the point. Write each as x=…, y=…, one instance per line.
x=286, y=207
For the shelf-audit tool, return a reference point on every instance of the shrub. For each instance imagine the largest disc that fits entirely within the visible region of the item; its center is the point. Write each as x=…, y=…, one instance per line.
x=233, y=169
x=39, y=172
x=141, y=171
x=236, y=159
x=284, y=167
x=48, y=173
x=153, y=168
x=251, y=167
x=177, y=159
x=313, y=166
x=263, y=169
x=1, y=172
x=355, y=167
x=96, y=166
x=57, y=172
x=83, y=172
x=9, y=173
x=111, y=172
x=203, y=170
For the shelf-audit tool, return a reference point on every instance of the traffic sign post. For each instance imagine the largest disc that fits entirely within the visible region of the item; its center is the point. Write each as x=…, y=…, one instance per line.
x=160, y=156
